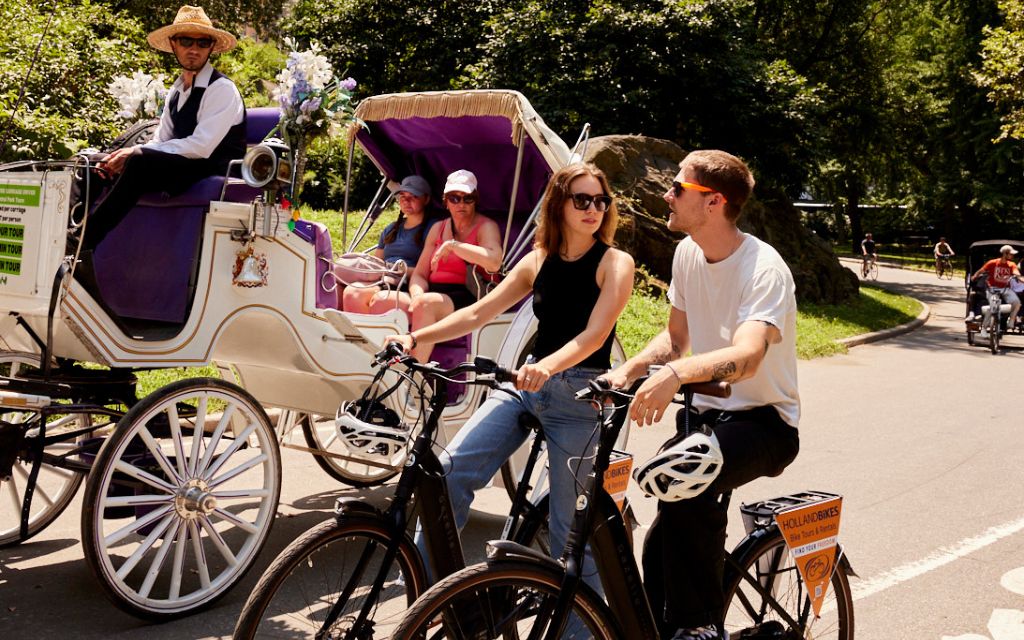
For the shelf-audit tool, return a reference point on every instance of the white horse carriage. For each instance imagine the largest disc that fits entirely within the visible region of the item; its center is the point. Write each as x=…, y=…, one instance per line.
x=182, y=485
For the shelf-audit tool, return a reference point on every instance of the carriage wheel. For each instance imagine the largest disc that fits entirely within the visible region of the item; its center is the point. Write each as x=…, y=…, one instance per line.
x=181, y=498
x=321, y=434
x=55, y=487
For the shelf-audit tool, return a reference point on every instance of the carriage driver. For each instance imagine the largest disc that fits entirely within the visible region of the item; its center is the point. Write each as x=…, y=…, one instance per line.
x=201, y=129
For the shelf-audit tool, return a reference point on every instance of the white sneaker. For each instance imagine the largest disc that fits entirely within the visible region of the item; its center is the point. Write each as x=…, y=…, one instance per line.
x=983, y=334
x=970, y=316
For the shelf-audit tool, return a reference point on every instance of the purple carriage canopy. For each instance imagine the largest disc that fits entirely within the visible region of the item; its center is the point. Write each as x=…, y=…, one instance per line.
x=436, y=132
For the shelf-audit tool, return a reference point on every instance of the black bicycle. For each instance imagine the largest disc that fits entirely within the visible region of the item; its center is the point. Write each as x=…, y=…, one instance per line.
x=519, y=593
x=353, y=576
x=944, y=266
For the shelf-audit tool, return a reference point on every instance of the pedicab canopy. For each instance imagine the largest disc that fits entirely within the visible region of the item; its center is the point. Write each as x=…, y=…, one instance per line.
x=436, y=132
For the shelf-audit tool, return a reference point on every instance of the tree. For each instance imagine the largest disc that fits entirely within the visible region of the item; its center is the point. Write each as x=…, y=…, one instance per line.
x=261, y=17
x=65, y=105
x=1002, y=68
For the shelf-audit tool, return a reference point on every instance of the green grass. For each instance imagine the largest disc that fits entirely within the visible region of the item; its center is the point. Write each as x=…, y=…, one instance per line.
x=818, y=327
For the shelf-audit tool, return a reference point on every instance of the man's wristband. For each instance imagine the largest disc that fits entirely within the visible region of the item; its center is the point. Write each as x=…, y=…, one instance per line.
x=679, y=378
x=413, y=338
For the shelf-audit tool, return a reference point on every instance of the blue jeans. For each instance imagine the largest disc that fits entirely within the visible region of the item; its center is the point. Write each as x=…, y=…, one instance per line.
x=493, y=434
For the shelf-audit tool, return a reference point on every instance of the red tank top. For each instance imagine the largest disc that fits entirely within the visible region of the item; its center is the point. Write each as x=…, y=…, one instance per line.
x=451, y=269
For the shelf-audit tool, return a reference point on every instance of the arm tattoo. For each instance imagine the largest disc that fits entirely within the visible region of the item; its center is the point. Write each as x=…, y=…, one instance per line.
x=723, y=370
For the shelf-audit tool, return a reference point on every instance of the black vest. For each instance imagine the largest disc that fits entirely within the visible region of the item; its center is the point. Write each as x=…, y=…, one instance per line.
x=232, y=147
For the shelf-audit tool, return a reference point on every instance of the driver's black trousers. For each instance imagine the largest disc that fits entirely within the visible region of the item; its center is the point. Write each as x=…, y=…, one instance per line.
x=684, y=553
x=148, y=171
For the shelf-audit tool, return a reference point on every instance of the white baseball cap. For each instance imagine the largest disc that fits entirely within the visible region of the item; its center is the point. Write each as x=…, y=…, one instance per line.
x=461, y=180
x=1006, y=247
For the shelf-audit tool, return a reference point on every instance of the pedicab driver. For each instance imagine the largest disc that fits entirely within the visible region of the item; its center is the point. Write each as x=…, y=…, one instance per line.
x=999, y=272
x=201, y=129
x=733, y=306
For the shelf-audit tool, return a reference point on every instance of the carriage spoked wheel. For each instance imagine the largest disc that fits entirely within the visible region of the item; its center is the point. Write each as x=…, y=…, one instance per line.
x=55, y=487
x=321, y=434
x=181, y=498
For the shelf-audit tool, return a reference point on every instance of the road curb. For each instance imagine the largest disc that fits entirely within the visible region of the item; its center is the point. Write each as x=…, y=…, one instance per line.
x=891, y=332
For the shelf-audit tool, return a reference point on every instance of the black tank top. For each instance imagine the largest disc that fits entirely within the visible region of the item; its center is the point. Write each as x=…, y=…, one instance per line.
x=564, y=295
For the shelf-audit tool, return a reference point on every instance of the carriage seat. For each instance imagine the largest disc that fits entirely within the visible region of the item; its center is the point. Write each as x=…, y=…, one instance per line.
x=146, y=268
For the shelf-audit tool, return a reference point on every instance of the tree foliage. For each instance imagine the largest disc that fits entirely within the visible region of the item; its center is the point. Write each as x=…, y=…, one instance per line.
x=65, y=104
x=1002, y=68
x=262, y=17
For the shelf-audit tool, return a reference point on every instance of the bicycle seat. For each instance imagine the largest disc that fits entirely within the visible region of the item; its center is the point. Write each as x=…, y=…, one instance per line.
x=529, y=421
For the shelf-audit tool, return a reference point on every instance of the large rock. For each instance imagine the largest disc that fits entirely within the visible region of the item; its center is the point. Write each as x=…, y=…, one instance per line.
x=641, y=168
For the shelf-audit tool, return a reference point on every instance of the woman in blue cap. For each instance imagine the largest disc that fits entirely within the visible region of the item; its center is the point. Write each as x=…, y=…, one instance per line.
x=402, y=240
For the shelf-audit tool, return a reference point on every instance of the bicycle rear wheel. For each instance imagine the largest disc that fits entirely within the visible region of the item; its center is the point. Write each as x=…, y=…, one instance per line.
x=509, y=601
x=329, y=563
x=748, y=614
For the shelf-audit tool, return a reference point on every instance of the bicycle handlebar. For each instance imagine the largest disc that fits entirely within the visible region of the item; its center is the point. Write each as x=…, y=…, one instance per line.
x=392, y=353
x=599, y=389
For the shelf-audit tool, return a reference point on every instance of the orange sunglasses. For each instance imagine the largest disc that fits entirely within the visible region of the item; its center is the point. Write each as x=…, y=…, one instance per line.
x=677, y=188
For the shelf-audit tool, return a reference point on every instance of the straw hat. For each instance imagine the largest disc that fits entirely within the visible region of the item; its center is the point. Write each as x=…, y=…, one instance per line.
x=191, y=20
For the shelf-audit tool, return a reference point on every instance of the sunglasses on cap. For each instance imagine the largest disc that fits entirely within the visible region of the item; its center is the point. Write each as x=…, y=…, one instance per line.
x=189, y=41
x=454, y=198
x=678, y=187
x=582, y=201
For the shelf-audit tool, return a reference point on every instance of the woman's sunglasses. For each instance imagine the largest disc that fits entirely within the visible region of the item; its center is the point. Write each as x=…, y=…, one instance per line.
x=678, y=187
x=188, y=41
x=582, y=201
x=454, y=198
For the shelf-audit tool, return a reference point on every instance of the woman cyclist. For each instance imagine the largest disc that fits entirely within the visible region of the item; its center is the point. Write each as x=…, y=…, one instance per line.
x=467, y=238
x=580, y=285
x=403, y=240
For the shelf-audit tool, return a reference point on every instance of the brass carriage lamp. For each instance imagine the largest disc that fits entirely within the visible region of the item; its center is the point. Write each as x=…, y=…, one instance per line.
x=268, y=166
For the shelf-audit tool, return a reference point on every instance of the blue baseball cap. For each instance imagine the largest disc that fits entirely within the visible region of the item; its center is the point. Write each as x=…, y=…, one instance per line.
x=414, y=185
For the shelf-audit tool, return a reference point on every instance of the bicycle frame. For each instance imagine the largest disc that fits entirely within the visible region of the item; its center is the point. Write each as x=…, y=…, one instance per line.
x=613, y=553
x=423, y=479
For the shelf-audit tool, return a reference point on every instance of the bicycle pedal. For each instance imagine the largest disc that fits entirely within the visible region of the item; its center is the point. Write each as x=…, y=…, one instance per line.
x=763, y=631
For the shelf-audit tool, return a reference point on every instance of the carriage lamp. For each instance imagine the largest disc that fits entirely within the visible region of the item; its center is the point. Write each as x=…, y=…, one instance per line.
x=268, y=165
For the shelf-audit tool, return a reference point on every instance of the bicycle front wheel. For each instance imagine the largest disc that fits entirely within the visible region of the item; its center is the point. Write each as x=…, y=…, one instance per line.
x=873, y=271
x=509, y=601
x=748, y=613
x=326, y=573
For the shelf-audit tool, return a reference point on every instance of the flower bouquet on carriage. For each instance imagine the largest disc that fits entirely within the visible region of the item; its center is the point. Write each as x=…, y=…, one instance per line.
x=139, y=96
x=314, y=102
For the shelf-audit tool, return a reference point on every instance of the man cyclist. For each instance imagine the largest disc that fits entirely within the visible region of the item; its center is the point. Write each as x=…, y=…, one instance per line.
x=999, y=272
x=867, y=248
x=942, y=250
x=733, y=307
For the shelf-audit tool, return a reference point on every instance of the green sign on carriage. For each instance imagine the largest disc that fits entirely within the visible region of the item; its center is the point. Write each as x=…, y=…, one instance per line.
x=19, y=195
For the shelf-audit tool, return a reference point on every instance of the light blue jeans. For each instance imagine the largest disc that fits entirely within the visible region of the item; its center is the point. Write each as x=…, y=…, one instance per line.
x=493, y=434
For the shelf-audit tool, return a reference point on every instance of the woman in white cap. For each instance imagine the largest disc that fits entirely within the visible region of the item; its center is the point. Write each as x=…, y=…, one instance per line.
x=580, y=285
x=455, y=245
x=403, y=240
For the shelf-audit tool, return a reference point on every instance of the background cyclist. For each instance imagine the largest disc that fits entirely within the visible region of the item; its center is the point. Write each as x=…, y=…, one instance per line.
x=999, y=271
x=942, y=250
x=867, y=249
x=733, y=306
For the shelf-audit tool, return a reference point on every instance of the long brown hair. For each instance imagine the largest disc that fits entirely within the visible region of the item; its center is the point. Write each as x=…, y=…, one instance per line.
x=392, y=233
x=552, y=210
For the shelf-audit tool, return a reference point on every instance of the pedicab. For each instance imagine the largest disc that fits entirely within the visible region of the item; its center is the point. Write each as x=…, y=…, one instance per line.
x=182, y=485
x=983, y=301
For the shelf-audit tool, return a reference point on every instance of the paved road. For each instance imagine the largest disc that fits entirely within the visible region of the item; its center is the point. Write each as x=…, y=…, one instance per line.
x=920, y=433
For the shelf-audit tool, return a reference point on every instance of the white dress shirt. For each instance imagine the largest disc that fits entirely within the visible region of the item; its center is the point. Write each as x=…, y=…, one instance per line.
x=220, y=109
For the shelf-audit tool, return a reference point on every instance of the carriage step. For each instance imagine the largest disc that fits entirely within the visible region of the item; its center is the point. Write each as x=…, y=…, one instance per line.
x=14, y=400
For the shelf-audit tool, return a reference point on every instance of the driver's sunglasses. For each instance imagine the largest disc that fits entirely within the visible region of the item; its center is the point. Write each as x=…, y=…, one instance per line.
x=454, y=198
x=678, y=187
x=188, y=41
x=582, y=201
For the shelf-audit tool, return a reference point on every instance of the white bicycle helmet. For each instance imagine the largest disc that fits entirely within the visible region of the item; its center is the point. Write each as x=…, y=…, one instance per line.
x=683, y=468
x=371, y=432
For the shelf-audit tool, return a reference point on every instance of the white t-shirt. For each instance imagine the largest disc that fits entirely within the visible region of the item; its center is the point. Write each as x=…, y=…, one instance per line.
x=754, y=283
